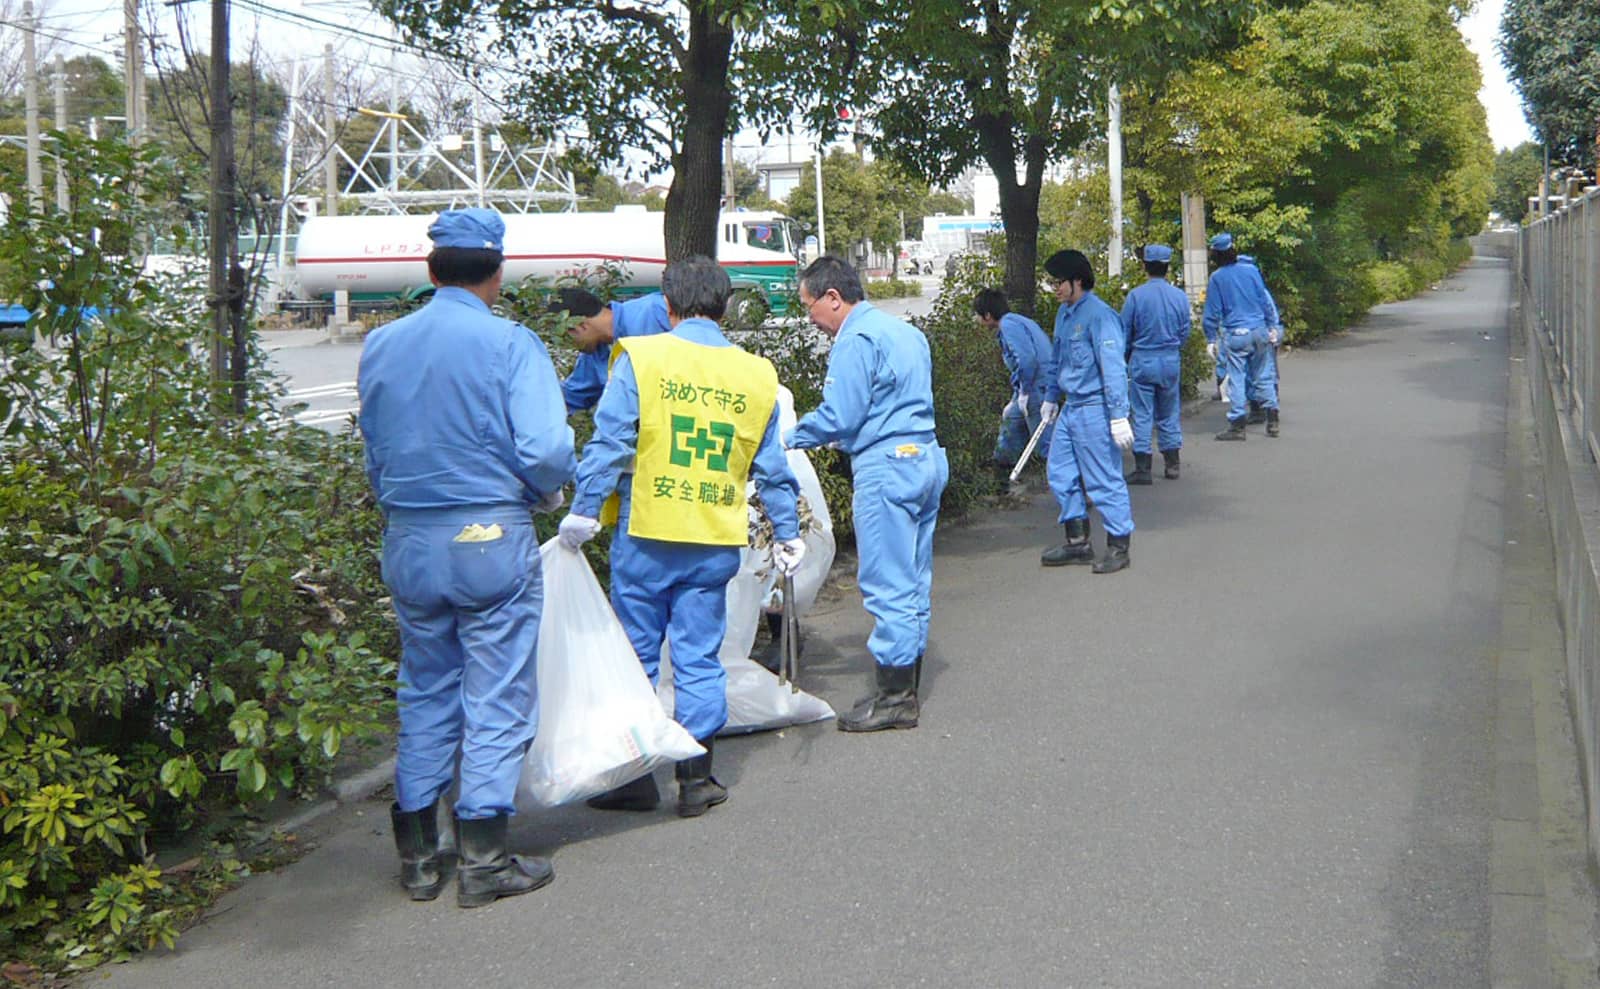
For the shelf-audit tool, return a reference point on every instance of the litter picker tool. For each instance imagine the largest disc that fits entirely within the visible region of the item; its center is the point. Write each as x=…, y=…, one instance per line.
x=1027, y=451
x=789, y=638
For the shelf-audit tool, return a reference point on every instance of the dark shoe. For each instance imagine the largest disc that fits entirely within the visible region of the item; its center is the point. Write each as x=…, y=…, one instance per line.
x=893, y=706
x=1075, y=550
x=487, y=872
x=1272, y=422
x=1171, y=457
x=698, y=790
x=1257, y=415
x=639, y=795
x=1141, y=470
x=1235, y=431
x=423, y=869
x=1116, y=557
x=916, y=674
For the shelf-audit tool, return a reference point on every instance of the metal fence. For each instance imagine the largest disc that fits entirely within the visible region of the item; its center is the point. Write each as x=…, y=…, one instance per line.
x=1559, y=269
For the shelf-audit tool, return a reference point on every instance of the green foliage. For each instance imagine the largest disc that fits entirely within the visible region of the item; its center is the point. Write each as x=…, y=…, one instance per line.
x=892, y=288
x=191, y=615
x=862, y=200
x=1516, y=180
x=1551, y=49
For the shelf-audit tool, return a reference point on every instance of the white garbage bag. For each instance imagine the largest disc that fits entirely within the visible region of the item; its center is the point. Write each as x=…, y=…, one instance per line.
x=756, y=700
x=600, y=724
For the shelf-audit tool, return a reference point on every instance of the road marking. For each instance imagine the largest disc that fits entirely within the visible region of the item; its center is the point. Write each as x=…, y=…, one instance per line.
x=337, y=388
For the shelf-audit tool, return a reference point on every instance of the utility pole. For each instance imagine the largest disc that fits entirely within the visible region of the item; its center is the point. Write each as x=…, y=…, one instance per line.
x=477, y=149
x=62, y=203
x=822, y=236
x=330, y=164
x=1114, y=166
x=226, y=288
x=133, y=72
x=727, y=173
x=30, y=93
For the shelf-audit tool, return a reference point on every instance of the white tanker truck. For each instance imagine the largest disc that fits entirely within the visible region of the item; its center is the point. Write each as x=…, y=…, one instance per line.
x=385, y=257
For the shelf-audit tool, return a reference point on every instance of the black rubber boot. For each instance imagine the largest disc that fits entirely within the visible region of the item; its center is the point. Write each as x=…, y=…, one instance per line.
x=1171, y=457
x=1257, y=415
x=1116, y=557
x=638, y=795
x=1075, y=550
x=1272, y=422
x=487, y=871
x=1235, y=431
x=1141, y=470
x=894, y=705
x=698, y=790
x=916, y=674
x=423, y=869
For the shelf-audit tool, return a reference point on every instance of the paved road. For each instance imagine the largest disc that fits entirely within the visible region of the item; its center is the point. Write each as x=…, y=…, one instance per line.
x=1261, y=757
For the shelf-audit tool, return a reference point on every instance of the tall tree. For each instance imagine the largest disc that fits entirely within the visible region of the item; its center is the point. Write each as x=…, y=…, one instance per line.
x=1552, y=49
x=1017, y=84
x=1516, y=178
x=670, y=78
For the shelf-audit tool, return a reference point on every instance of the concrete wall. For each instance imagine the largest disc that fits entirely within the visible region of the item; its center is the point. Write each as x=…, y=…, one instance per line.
x=1495, y=243
x=1572, y=493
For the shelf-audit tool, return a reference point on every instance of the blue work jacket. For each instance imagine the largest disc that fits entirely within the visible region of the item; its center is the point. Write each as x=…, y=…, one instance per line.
x=879, y=386
x=632, y=318
x=1090, y=366
x=1156, y=316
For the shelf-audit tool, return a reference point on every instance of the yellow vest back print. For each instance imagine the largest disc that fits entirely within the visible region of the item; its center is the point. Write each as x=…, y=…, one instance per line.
x=702, y=413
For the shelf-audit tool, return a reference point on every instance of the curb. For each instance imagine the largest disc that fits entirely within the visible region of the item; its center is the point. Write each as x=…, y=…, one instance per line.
x=356, y=787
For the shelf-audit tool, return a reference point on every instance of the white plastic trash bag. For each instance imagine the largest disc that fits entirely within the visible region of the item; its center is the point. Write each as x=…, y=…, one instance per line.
x=756, y=700
x=600, y=724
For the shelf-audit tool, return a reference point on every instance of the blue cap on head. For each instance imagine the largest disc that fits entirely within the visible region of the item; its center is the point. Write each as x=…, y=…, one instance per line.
x=1157, y=252
x=475, y=227
x=1221, y=242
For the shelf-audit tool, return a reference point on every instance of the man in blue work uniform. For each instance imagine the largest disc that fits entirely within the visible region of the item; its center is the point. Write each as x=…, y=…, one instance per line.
x=1235, y=319
x=686, y=419
x=1026, y=352
x=877, y=406
x=1258, y=414
x=1156, y=321
x=600, y=326
x=1090, y=390
x=465, y=435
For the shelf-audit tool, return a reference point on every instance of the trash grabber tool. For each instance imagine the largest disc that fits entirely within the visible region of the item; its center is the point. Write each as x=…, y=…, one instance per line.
x=789, y=636
x=1027, y=451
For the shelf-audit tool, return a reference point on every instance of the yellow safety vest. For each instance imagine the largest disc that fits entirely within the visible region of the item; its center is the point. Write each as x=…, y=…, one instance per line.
x=702, y=413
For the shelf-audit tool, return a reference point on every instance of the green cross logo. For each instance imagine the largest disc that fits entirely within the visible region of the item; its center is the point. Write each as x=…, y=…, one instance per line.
x=691, y=443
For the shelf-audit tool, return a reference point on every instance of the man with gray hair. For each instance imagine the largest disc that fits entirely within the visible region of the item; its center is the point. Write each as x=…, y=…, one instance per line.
x=685, y=419
x=877, y=406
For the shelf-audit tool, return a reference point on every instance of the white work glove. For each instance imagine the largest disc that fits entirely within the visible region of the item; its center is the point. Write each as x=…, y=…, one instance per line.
x=576, y=530
x=1047, y=411
x=1010, y=410
x=1122, y=433
x=788, y=554
x=1211, y=350
x=1274, y=335
x=550, y=501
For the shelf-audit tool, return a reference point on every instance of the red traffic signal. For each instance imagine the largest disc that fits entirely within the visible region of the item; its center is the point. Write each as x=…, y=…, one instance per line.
x=844, y=113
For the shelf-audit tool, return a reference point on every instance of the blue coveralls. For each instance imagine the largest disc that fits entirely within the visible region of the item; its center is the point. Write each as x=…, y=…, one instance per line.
x=1270, y=308
x=1091, y=386
x=1235, y=318
x=631, y=318
x=463, y=421
x=668, y=590
x=1156, y=321
x=1026, y=352
x=877, y=404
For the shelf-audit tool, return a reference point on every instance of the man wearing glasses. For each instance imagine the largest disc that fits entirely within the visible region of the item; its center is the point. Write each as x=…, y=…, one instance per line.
x=877, y=406
x=1090, y=391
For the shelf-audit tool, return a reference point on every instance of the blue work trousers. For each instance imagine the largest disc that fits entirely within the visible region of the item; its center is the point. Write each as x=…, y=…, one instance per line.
x=896, y=506
x=1153, y=394
x=1085, y=459
x=469, y=627
x=1252, y=371
x=677, y=593
x=1016, y=428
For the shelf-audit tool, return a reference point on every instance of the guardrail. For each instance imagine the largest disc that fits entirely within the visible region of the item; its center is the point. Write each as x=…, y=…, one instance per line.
x=1557, y=268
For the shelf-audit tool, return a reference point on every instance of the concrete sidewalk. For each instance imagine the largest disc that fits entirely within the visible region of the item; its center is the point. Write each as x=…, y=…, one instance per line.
x=1264, y=756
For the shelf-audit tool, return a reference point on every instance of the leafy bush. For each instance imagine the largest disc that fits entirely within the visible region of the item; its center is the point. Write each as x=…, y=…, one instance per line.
x=191, y=616
x=892, y=288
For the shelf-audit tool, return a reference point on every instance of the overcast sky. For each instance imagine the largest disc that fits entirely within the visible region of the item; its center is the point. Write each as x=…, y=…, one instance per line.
x=94, y=24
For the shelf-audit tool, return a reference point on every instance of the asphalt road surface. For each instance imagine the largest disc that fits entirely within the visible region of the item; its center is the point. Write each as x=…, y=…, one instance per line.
x=1260, y=757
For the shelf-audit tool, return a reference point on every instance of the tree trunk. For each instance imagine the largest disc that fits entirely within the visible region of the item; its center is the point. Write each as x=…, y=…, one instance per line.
x=1019, y=206
x=695, y=196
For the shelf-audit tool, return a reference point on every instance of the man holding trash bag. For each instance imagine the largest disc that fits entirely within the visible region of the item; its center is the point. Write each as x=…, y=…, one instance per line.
x=684, y=421
x=600, y=325
x=465, y=434
x=877, y=405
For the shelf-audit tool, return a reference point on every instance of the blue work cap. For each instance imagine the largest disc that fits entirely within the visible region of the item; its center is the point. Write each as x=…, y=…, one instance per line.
x=1157, y=252
x=1221, y=242
x=475, y=227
